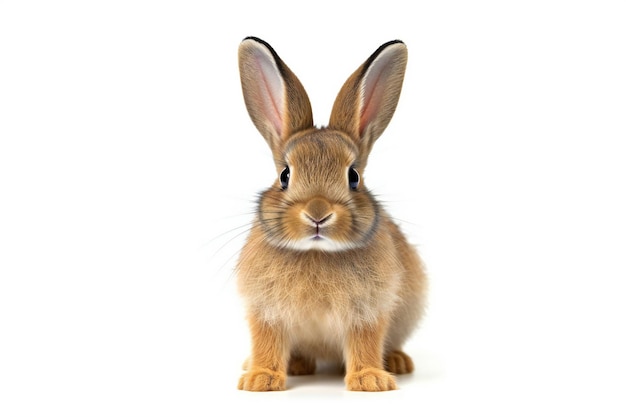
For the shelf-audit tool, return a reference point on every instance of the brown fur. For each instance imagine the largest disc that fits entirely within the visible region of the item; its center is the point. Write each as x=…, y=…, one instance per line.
x=325, y=272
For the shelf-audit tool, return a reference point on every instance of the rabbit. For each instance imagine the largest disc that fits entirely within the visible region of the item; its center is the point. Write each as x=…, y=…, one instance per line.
x=325, y=273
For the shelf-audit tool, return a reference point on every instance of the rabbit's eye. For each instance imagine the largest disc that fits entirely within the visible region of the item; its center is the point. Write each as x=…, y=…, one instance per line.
x=284, y=178
x=353, y=178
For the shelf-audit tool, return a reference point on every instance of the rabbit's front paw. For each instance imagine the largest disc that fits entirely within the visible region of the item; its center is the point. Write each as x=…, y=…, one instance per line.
x=370, y=379
x=263, y=379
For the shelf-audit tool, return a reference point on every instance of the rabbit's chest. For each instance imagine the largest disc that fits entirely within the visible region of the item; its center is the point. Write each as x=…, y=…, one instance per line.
x=319, y=313
x=319, y=289
x=324, y=303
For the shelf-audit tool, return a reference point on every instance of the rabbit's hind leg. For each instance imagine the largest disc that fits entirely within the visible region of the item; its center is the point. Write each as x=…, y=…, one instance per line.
x=398, y=362
x=301, y=365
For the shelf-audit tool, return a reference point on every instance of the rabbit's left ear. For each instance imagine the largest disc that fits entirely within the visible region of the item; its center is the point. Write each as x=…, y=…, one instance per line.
x=368, y=99
x=276, y=101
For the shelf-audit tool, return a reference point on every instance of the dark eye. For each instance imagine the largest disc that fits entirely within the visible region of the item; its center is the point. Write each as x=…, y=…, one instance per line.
x=284, y=178
x=353, y=178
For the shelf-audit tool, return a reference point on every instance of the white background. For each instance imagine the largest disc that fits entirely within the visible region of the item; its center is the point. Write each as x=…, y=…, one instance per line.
x=129, y=169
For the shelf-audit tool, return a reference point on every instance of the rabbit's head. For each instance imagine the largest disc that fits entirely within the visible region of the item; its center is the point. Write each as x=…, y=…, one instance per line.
x=319, y=201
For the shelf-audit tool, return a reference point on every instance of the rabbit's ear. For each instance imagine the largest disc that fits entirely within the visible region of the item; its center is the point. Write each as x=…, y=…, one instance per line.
x=368, y=99
x=276, y=101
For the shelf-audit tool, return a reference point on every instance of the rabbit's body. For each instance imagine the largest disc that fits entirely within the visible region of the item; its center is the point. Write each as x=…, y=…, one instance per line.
x=325, y=273
x=319, y=296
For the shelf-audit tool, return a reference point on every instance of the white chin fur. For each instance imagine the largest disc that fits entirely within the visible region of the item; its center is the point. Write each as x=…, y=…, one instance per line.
x=322, y=244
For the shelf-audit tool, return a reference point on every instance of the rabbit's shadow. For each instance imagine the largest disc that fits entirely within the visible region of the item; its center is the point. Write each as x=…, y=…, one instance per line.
x=326, y=375
x=330, y=376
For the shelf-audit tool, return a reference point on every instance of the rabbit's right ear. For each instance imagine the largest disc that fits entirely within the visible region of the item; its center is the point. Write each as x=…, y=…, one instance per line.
x=276, y=101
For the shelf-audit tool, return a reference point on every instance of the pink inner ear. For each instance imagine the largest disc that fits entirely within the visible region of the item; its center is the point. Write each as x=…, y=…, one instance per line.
x=271, y=91
x=371, y=96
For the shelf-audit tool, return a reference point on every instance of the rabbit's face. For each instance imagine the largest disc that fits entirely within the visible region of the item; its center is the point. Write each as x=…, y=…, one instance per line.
x=318, y=201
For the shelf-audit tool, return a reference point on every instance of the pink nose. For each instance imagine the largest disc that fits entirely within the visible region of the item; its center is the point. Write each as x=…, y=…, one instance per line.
x=318, y=211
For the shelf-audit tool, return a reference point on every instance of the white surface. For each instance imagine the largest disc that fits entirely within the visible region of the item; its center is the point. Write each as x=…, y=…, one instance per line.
x=128, y=168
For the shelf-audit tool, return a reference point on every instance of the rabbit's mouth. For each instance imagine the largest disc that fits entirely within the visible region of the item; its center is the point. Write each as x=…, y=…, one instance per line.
x=317, y=242
x=318, y=223
x=318, y=236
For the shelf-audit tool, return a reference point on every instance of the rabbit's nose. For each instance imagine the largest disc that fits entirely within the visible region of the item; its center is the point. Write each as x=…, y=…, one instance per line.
x=318, y=211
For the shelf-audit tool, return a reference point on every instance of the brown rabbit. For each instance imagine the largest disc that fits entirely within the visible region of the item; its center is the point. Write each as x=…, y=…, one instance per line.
x=325, y=272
